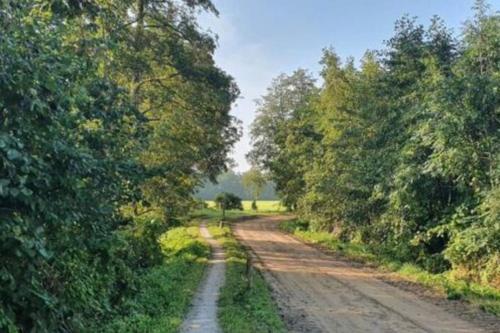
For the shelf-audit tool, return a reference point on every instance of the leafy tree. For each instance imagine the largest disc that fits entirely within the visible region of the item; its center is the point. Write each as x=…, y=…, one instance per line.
x=103, y=105
x=166, y=64
x=286, y=98
x=63, y=174
x=254, y=181
x=286, y=95
x=400, y=152
x=227, y=201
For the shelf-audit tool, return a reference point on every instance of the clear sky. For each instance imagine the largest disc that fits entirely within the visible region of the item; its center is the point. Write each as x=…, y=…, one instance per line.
x=259, y=39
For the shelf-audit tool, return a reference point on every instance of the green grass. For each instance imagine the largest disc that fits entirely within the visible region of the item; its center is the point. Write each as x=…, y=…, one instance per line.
x=263, y=206
x=213, y=214
x=165, y=291
x=484, y=297
x=244, y=309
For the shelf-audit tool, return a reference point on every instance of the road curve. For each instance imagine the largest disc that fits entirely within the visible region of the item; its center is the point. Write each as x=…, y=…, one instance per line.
x=318, y=293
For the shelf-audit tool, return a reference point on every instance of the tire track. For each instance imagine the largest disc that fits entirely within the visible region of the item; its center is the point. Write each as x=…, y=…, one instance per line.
x=318, y=293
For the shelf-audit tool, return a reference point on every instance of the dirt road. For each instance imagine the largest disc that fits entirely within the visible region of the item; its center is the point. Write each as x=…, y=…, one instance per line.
x=318, y=293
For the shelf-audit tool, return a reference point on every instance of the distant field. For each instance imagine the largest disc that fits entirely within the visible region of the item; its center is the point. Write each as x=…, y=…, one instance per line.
x=262, y=205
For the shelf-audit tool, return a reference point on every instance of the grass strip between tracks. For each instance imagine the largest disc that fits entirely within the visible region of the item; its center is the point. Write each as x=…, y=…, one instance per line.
x=244, y=307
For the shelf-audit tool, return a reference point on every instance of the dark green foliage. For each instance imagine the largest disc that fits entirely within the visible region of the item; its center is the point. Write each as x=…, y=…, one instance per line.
x=163, y=292
x=227, y=201
x=402, y=152
x=62, y=170
x=288, y=98
x=85, y=156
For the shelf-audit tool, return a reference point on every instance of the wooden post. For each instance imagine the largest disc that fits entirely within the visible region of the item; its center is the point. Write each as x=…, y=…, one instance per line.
x=248, y=271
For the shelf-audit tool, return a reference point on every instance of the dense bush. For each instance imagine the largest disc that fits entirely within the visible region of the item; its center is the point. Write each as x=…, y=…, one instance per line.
x=90, y=143
x=402, y=151
x=61, y=173
x=163, y=292
x=227, y=201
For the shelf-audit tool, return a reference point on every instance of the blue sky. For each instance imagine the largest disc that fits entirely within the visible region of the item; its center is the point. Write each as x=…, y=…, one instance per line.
x=259, y=39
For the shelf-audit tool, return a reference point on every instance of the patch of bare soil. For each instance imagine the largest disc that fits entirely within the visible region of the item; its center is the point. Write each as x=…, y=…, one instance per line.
x=460, y=308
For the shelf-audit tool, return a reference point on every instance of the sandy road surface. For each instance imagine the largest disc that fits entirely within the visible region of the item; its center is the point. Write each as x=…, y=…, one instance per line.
x=318, y=293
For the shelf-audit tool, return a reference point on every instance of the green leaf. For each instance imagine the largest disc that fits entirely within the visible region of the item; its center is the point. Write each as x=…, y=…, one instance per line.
x=13, y=154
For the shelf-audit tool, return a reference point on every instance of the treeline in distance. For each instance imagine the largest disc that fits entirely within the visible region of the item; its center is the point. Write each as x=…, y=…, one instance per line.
x=232, y=182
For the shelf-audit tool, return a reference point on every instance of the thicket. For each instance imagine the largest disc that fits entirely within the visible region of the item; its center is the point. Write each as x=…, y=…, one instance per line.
x=401, y=152
x=111, y=113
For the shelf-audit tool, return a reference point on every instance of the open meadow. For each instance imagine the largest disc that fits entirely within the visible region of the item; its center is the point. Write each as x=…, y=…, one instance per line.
x=263, y=206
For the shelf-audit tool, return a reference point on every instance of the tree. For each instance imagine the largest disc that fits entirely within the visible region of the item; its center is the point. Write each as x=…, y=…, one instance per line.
x=227, y=201
x=254, y=181
x=64, y=171
x=286, y=98
x=400, y=152
x=165, y=62
x=103, y=105
x=286, y=95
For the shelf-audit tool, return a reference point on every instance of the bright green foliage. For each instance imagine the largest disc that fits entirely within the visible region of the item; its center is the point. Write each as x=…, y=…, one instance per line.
x=179, y=240
x=166, y=64
x=164, y=292
x=244, y=307
x=254, y=181
x=85, y=154
x=401, y=152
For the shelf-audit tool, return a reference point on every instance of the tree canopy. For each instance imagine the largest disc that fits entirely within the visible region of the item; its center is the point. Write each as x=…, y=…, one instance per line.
x=401, y=151
x=104, y=105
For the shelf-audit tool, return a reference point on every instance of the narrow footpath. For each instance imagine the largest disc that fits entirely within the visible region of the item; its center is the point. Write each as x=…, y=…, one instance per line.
x=203, y=315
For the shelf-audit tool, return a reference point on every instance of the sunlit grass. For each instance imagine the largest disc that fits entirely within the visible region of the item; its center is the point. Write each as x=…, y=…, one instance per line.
x=165, y=291
x=243, y=307
x=263, y=206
